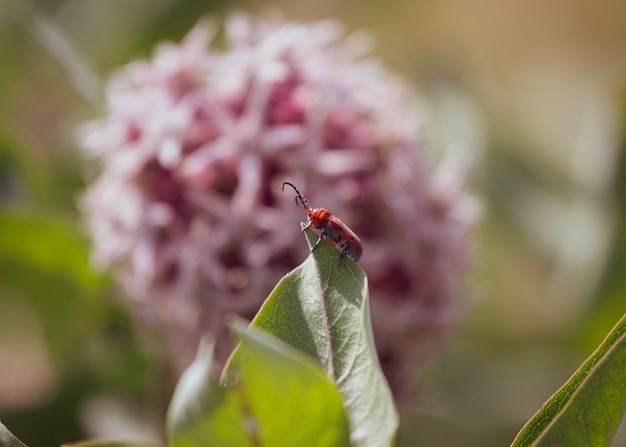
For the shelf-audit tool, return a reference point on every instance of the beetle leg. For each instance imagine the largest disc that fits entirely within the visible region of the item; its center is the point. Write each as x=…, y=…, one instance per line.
x=342, y=253
x=305, y=225
x=316, y=244
x=322, y=236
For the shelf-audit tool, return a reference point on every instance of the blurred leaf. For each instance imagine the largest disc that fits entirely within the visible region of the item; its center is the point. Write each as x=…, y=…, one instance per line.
x=44, y=263
x=201, y=412
x=322, y=309
x=105, y=443
x=46, y=179
x=7, y=439
x=588, y=409
x=48, y=243
x=292, y=401
x=281, y=399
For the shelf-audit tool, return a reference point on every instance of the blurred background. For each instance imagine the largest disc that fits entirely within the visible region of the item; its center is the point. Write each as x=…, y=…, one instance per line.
x=534, y=92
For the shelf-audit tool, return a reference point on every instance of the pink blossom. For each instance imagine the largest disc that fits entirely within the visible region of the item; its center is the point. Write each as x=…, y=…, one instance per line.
x=195, y=143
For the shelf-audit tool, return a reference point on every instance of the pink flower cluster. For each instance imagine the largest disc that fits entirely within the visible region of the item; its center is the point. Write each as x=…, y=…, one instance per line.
x=188, y=209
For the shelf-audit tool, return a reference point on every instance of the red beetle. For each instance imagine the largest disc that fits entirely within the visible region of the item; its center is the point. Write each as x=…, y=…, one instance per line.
x=330, y=228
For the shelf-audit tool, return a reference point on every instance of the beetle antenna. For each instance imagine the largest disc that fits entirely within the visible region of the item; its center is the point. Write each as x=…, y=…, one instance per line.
x=303, y=200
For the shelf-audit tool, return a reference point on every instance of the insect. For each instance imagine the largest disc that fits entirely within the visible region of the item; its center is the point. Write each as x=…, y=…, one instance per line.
x=328, y=227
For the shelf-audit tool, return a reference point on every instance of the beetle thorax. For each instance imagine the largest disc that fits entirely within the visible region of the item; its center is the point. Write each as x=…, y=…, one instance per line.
x=318, y=217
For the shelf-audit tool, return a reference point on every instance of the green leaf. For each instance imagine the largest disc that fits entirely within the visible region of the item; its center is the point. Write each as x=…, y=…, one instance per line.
x=588, y=409
x=288, y=399
x=322, y=310
x=48, y=243
x=44, y=268
x=280, y=398
x=203, y=413
x=105, y=443
x=7, y=439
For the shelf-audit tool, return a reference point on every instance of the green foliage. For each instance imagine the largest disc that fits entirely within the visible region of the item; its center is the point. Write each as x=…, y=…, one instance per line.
x=588, y=409
x=281, y=399
x=44, y=265
x=201, y=412
x=47, y=243
x=54, y=305
x=305, y=372
x=104, y=443
x=289, y=391
x=322, y=310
